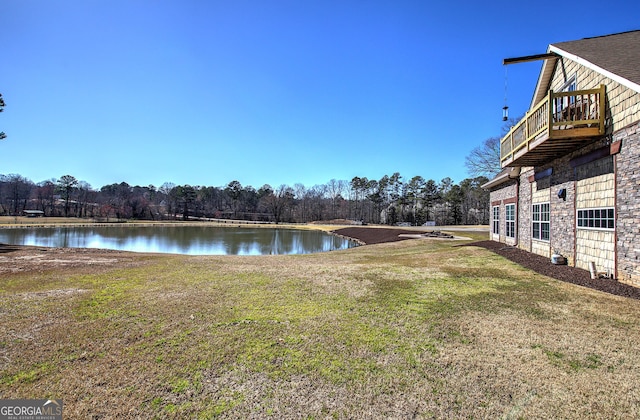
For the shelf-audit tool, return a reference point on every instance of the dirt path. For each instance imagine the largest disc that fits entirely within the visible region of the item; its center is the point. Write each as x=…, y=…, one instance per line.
x=19, y=259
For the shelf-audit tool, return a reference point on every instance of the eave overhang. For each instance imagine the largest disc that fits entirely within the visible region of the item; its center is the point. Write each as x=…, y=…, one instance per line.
x=544, y=80
x=505, y=175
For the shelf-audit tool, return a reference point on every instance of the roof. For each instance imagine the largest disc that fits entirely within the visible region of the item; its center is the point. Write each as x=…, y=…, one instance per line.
x=617, y=53
x=617, y=56
x=505, y=175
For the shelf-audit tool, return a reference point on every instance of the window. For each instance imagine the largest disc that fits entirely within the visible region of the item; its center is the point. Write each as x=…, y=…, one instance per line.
x=511, y=220
x=561, y=103
x=600, y=218
x=569, y=85
x=496, y=220
x=540, y=216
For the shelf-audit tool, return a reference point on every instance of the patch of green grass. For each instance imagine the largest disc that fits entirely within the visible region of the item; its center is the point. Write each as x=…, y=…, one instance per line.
x=179, y=386
x=590, y=361
x=29, y=375
x=226, y=401
x=574, y=363
x=555, y=357
x=156, y=403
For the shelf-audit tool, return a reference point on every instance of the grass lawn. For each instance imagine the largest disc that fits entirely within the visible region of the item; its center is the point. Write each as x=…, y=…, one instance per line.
x=411, y=329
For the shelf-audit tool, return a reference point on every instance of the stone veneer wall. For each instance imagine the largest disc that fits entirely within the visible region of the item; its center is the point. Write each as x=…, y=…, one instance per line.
x=524, y=210
x=563, y=211
x=628, y=204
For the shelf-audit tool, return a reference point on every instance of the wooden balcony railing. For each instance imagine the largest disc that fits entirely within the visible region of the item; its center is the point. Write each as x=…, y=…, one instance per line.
x=557, y=123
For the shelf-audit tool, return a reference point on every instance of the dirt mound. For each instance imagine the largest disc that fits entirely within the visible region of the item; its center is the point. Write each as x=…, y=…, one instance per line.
x=370, y=236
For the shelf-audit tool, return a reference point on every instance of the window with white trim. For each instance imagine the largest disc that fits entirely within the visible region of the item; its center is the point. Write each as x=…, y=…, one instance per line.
x=496, y=220
x=570, y=85
x=596, y=218
x=540, y=221
x=510, y=220
x=563, y=102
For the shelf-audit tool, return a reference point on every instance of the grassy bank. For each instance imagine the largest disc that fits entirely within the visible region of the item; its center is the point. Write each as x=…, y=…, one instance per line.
x=408, y=329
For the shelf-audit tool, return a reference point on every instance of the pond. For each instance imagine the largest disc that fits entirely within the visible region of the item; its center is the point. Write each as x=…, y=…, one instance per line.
x=189, y=240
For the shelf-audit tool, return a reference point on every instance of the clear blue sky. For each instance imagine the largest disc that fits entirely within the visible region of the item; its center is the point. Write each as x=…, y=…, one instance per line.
x=279, y=92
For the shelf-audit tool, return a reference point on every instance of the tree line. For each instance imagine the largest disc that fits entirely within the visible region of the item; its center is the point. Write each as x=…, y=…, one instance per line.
x=389, y=200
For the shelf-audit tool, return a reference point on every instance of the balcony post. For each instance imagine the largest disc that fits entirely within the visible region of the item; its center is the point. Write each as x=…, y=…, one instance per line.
x=551, y=102
x=602, y=111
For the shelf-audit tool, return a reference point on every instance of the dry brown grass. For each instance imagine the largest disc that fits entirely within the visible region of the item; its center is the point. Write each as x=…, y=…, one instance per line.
x=413, y=329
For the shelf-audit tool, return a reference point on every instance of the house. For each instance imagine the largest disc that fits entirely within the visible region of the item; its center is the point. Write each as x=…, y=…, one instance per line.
x=570, y=183
x=33, y=213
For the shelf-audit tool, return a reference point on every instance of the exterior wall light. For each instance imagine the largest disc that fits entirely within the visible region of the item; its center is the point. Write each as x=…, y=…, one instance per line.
x=562, y=193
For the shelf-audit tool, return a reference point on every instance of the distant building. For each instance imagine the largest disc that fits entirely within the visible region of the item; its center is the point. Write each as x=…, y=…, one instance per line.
x=33, y=213
x=570, y=183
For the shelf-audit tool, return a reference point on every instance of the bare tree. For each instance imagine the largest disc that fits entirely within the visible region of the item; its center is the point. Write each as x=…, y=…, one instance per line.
x=84, y=197
x=165, y=192
x=335, y=190
x=316, y=197
x=45, y=196
x=484, y=160
x=302, y=196
x=17, y=191
x=279, y=201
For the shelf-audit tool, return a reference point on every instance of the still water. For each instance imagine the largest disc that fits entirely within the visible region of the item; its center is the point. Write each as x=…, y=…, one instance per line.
x=190, y=240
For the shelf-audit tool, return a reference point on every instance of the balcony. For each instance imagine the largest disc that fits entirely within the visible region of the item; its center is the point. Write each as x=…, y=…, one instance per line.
x=557, y=125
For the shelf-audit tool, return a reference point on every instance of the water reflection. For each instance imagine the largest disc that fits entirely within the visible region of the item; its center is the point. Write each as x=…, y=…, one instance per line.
x=191, y=240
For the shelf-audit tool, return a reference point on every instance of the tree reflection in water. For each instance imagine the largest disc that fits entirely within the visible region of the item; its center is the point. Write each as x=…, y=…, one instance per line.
x=190, y=240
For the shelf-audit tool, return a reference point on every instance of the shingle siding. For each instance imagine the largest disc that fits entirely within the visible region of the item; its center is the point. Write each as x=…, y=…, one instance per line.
x=623, y=104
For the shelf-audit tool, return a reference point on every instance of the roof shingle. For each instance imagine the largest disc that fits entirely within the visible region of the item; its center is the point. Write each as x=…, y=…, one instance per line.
x=618, y=53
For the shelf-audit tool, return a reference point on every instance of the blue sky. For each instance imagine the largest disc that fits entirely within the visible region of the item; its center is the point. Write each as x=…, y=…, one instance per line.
x=268, y=92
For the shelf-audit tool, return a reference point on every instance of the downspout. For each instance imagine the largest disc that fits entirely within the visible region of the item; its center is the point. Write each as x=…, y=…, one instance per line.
x=575, y=218
x=515, y=174
x=615, y=223
x=531, y=217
